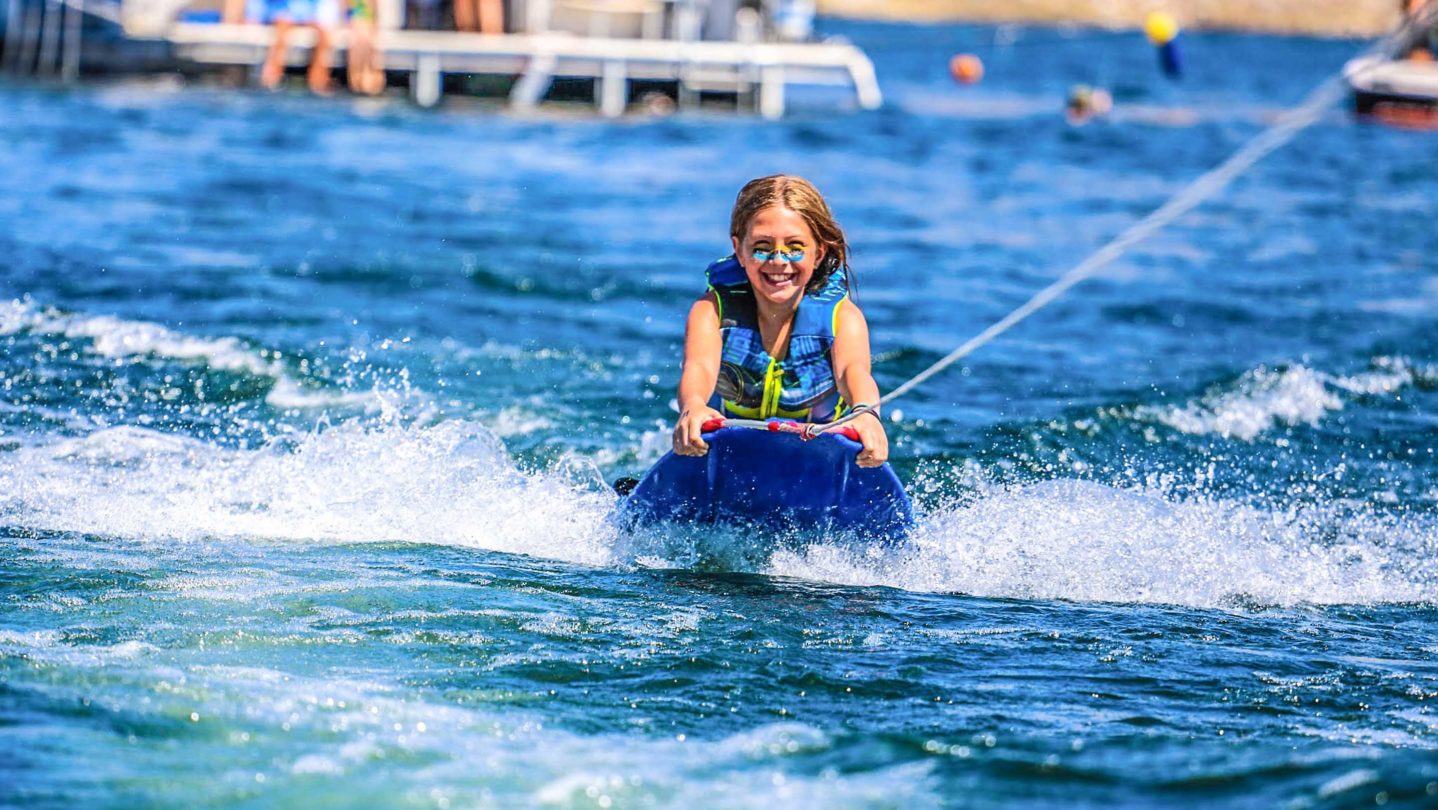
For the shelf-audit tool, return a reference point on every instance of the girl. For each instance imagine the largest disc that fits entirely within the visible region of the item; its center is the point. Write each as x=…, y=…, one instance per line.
x=776, y=334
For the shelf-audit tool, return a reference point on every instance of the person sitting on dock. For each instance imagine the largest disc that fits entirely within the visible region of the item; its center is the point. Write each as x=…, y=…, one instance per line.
x=364, y=61
x=484, y=16
x=285, y=16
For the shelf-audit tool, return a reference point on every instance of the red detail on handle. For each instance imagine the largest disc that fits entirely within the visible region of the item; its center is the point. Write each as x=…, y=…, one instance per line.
x=781, y=426
x=803, y=430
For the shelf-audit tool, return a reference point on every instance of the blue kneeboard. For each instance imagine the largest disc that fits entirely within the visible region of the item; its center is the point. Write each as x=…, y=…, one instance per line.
x=774, y=481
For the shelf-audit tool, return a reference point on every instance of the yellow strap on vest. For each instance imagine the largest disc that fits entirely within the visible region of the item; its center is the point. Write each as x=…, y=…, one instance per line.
x=773, y=388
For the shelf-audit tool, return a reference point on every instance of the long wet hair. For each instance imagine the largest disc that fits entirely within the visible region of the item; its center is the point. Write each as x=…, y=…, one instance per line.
x=801, y=197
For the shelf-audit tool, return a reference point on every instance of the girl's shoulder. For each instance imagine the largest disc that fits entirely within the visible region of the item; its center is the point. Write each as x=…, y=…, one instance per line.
x=850, y=325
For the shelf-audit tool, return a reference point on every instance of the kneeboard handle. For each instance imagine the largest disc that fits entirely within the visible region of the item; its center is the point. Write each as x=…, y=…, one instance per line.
x=778, y=426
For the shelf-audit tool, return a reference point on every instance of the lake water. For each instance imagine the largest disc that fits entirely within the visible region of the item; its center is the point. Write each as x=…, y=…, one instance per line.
x=306, y=409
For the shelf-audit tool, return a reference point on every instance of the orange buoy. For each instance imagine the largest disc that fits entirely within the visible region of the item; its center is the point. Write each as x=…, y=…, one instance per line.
x=966, y=68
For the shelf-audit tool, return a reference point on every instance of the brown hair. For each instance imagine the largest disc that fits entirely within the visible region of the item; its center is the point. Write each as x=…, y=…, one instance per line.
x=800, y=196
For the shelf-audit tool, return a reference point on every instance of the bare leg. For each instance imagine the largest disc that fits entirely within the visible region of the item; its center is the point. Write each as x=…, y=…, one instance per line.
x=374, y=68
x=464, y=16
x=274, y=69
x=365, y=62
x=357, y=54
x=491, y=16
x=319, y=74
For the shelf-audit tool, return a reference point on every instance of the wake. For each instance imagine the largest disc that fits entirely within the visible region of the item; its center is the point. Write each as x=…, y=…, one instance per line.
x=455, y=484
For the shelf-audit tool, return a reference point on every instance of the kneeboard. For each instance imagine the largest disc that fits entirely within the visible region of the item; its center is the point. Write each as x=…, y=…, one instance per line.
x=773, y=481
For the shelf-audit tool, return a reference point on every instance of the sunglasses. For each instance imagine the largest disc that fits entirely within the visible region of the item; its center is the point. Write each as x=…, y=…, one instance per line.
x=790, y=256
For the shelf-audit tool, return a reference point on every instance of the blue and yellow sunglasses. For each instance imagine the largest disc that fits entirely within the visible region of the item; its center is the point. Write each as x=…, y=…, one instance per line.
x=792, y=255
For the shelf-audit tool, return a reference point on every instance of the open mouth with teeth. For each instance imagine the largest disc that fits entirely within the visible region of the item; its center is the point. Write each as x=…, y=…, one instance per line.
x=779, y=280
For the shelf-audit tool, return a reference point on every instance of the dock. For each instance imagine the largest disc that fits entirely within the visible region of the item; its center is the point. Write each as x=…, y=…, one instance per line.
x=758, y=74
x=538, y=59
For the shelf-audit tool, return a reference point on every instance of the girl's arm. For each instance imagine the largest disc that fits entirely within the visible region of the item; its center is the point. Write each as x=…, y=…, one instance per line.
x=856, y=381
x=702, y=348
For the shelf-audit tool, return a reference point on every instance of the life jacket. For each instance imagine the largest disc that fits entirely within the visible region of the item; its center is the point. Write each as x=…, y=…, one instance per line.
x=754, y=385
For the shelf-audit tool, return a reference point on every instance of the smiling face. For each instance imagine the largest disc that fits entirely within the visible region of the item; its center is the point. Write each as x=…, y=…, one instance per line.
x=770, y=251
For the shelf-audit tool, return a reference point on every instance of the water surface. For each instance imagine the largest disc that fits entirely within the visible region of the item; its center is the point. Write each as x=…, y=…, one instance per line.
x=306, y=409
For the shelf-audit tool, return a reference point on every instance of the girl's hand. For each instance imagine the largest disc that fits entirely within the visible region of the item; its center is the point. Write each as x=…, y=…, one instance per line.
x=875, y=441
x=688, y=431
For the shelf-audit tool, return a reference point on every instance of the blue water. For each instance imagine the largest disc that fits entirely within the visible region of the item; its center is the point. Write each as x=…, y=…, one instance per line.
x=306, y=410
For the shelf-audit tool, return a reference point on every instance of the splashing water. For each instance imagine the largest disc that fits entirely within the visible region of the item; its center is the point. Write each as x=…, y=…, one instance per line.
x=1265, y=398
x=121, y=339
x=1080, y=540
x=451, y=483
x=454, y=484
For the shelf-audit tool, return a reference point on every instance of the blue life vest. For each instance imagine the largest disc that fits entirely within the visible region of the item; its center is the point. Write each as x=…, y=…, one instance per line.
x=754, y=385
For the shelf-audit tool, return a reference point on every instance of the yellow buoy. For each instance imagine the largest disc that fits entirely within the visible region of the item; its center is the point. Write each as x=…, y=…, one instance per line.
x=1160, y=28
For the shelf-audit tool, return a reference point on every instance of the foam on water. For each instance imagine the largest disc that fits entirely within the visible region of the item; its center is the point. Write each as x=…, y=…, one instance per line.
x=119, y=338
x=516, y=420
x=1071, y=539
x=453, y=483
x=1265, y=398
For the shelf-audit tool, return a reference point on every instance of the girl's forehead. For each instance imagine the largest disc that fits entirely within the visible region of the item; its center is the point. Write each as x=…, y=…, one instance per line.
x=777, y=221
